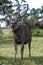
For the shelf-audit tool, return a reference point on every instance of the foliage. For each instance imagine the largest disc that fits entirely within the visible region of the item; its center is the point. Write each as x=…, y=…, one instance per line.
x=37, y=32
x=1, y=36
x=17, y=10
x=36, y=17
x=1, y=31
x=8, y=36
x=5, y=34
x=4, y=6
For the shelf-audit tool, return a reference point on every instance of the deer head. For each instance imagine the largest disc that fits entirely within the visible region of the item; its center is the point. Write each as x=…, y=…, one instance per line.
x=18, y=18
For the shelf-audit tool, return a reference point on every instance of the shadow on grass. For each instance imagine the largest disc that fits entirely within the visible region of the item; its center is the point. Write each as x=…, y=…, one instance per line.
x=25, y=61
x=38, y=60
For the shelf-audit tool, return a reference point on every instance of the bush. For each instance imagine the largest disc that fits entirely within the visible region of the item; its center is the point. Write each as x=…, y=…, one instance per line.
x=37, y=32
x=8, y=36
x=1, y=36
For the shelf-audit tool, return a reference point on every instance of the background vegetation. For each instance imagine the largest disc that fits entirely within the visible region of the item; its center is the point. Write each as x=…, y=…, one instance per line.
x=34, y=17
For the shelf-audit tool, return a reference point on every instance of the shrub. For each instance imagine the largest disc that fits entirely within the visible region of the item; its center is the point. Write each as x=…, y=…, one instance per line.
x=8, y=36
x=1, y=36
x=37, y=32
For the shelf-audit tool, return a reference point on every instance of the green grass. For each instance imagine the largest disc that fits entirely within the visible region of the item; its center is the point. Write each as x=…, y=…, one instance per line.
x=7, y=53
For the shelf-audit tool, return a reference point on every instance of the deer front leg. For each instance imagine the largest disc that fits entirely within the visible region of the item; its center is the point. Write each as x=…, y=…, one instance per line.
x=15, y=45
x=22, y=50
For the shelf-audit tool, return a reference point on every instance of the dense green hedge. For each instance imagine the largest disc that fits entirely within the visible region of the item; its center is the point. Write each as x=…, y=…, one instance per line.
x=6, y=36
x=37, y=32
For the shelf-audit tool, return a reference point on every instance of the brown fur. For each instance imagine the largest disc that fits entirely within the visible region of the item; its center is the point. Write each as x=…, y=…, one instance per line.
x=22, y=35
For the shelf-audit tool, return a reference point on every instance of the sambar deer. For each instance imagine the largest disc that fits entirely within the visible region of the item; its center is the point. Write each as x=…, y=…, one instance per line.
x=22, y=34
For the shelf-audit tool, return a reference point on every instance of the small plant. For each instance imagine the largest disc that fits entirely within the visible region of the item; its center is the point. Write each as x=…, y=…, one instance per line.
x=1, y=36
x=8, y=36
x=38, y=32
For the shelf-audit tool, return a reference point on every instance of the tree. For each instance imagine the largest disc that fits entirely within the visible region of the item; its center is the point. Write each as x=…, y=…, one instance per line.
x=41, y=12
x=18, y=12
x=4, y=5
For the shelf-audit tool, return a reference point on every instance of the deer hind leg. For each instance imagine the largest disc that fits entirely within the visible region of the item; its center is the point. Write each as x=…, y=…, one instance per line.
x=22, y=50
x=15, y=45
x=29, y=46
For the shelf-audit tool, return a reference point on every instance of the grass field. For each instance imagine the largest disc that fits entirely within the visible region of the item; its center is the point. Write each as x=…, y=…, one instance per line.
x=7, y=53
